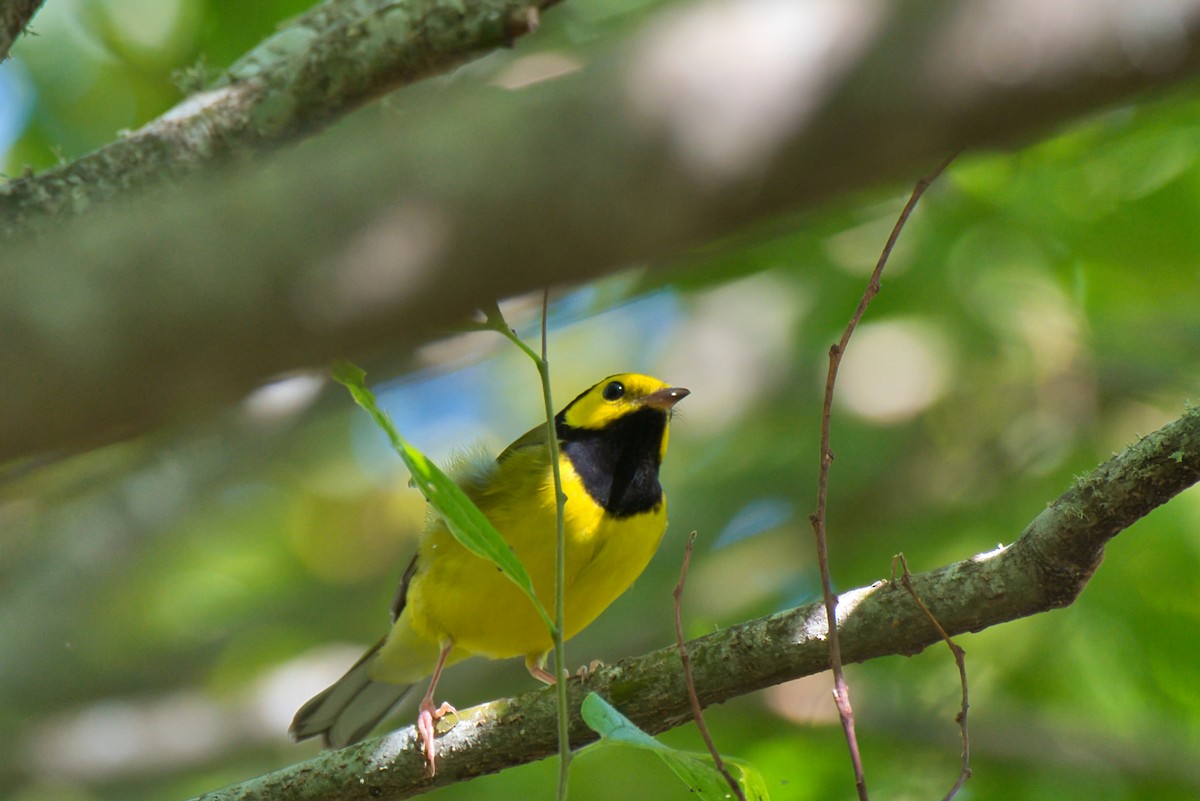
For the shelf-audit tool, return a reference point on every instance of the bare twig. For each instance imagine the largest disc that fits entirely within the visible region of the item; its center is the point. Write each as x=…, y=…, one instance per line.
x=841, y=691
x=959, y=659
x=693, y=697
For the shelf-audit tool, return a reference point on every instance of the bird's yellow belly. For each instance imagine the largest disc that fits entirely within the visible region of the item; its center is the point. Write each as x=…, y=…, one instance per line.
x=467, y=599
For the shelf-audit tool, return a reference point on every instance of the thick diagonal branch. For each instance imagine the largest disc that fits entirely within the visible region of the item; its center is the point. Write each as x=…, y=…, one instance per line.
x=1046, y=568
x=386, y=231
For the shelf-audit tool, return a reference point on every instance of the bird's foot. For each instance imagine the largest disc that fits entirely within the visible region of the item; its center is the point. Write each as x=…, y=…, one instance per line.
x=542, y=675
x=585, y=671
x=427, y=717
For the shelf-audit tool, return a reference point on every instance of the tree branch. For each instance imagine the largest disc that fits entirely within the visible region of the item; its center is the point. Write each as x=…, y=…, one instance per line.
x=1045, y=569
x=385, y=231
x=317, y=68
x=15, y=16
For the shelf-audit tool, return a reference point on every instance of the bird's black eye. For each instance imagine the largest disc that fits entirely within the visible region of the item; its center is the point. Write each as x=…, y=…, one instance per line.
x=613, y=390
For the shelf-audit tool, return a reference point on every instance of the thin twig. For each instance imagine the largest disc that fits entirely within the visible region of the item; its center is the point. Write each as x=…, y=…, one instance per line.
x=697, y=710
x=560, y=570
x=959, y=659
x=841, y=691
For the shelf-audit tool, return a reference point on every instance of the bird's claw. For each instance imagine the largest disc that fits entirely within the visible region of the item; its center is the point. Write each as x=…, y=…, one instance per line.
x=427, y=717
x=585, y=671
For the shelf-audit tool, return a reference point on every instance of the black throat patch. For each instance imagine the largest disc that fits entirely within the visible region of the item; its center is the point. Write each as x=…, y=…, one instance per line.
x=618, y=464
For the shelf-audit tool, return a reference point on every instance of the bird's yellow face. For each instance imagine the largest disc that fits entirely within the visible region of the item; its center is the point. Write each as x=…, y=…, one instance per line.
x=618, y=396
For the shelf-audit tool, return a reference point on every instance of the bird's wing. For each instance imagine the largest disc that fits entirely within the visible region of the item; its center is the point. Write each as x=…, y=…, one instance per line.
x=401, y=598
x=532, y=437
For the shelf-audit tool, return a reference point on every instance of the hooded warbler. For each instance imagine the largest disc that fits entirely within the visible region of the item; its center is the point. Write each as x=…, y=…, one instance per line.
x=453, y=604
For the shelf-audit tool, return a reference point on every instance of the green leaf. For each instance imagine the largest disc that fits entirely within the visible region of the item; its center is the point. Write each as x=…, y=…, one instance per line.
x=466, y=523
x=698, y=771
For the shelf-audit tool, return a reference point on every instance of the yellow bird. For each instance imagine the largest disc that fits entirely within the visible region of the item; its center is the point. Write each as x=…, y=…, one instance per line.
x=452, y=604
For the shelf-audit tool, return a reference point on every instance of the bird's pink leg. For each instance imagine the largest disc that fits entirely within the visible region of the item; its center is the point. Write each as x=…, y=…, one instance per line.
x=533, y=663
x=428, y=715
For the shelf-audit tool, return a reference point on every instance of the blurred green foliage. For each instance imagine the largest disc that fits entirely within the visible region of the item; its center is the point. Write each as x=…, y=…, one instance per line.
x=166, y=604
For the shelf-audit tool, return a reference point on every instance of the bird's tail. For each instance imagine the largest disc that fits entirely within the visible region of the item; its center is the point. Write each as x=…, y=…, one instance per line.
x=348, y=709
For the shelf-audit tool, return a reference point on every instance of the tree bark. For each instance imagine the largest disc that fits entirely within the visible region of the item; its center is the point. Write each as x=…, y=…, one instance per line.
x=314, y=70
x=1046, y=568
x=15, y=16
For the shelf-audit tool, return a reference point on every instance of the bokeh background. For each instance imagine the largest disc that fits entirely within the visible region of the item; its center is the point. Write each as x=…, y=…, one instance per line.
x=167, y=603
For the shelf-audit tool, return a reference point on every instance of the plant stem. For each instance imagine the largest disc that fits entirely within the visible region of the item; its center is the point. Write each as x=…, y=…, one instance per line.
x=560, y=567
x=496, y=320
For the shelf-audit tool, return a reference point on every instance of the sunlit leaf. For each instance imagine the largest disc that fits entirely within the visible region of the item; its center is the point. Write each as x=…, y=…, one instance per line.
x=466, y=523
x=697, y=771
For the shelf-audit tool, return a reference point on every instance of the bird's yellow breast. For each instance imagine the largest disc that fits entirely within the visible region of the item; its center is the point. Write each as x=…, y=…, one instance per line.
x=457, y=595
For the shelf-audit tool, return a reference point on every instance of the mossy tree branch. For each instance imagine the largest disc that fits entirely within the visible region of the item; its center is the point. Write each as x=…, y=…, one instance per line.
x=1046, y=568
x=15, y=16
x=315, y=69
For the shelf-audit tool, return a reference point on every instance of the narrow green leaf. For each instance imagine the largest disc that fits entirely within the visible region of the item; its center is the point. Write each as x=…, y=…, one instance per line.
x=697, y=771
x=604, y=719
x=465, y=522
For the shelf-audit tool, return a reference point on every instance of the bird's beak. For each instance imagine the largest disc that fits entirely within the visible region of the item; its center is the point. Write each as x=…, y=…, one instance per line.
x=665, y=398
